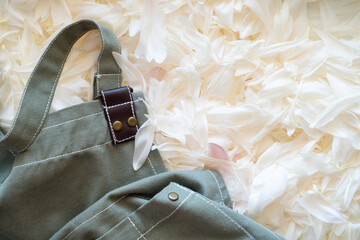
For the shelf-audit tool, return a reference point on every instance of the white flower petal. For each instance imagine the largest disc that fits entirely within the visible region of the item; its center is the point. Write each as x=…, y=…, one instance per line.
x=267, y=186
x=143, y=142
x=152, y=36
x=198, y=44
x=319, y=207
x=60, y=12
x=332, y=110
x=274, y=83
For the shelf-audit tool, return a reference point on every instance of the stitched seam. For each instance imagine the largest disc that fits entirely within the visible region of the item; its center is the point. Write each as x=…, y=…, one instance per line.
x=123, y=140
x=28, y=82
x=217, y=183
x=210, y=203
x=62, y=155
x=136, y=227
x=51, y=94
x=97, y=84
x=120, y=104
x=109, y=119
x=102, y=47
x=111, y=129
x=12, y=153
x=116, y=225
x=93, y=217
x=100, y=56
x=152, y=166
x=177, y=208
x=111, y=229
x=98, y=77
x=272, y=233
x=132, y=105
x=119, y=51
x=232, y=220
x=108, y=74
x=76, y=119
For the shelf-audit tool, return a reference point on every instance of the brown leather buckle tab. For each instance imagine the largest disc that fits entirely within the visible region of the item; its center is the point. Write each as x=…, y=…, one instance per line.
x=120, y=113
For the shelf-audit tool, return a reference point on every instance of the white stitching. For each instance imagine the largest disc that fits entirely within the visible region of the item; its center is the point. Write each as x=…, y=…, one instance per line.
x=119, y=51
x=108, y=74
x=98, y=79
x=12, y=153
x=102, y=50
x=111, y=128
x=97, y=84
x=76, y=119
x=28, y=82
x=132, y=107
x=99, y=59
x=152, y=166
x=51, y=94
x=93, y=217
x=62, y=155
x=123, y=140
x=117, y=105
x=118, y=224
x=222, y=198
x=136, y=227
x=232, y=220
x=177, y=208
x=109, y=119
x=272, y=233
x=60, y=70
x=32, y=73
x=102, y=47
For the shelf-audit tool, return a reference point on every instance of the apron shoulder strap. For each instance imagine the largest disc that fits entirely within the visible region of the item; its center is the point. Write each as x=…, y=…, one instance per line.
x=39, y=90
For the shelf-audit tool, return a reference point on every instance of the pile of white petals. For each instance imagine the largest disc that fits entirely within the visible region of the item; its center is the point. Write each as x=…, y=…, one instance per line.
x=265, y=92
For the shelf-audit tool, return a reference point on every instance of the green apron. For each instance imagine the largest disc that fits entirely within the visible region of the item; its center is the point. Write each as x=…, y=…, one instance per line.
x=62, y=177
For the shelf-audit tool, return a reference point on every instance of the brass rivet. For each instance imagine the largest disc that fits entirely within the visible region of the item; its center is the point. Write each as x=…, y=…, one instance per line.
x=117, y=125
x=132, y=121
x=173, y=196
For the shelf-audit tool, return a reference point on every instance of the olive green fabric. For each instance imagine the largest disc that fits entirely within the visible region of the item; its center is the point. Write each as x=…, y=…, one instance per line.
x=6, y=161
x=71, y=164
x=143, y=210
x=62, y=178
x=43, y=80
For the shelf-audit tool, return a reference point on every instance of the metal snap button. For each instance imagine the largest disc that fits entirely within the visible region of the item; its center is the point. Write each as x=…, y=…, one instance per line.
x=132, y=121
x=117, y=125
x=173, y=196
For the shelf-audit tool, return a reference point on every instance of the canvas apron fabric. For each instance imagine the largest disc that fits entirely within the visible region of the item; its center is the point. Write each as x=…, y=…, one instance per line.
x=62, y=177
